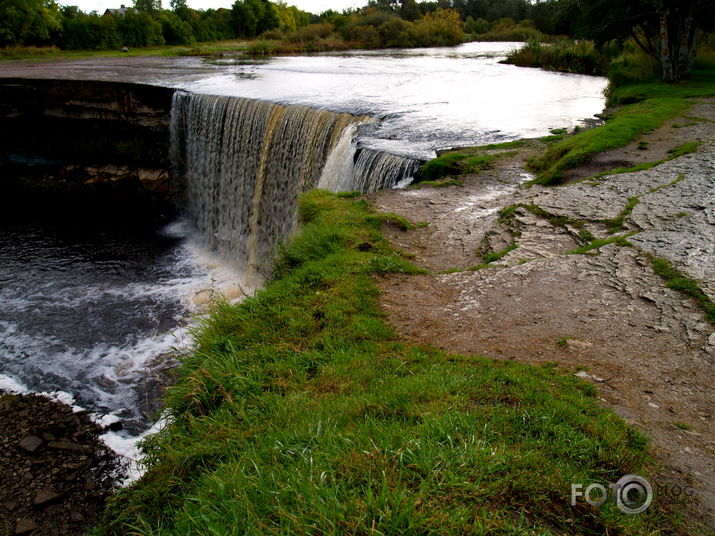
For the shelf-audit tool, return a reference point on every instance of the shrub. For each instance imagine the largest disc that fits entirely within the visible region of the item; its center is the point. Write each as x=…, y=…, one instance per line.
x=311, y=32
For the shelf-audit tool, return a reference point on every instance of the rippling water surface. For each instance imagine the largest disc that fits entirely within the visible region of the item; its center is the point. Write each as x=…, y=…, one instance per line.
x=429, y=99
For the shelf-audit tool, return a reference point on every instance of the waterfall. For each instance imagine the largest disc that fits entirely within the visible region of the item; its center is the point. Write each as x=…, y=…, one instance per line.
x=241, y=164
x=375, y=170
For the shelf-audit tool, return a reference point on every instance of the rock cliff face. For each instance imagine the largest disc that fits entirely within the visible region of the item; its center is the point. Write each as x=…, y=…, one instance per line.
x=83, y=141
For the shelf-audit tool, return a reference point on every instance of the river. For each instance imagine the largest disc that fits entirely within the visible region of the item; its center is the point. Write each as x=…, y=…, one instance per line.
x=86, y=310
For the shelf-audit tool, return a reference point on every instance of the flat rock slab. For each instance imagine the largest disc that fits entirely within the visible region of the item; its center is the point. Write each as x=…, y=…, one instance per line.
x=647, y=348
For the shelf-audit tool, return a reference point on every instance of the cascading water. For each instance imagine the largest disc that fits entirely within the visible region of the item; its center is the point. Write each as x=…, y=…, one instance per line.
x=243, y=162
x=375, y=170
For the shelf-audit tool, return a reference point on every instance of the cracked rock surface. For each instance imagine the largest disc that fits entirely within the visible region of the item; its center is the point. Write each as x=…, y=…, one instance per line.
x=648, y=348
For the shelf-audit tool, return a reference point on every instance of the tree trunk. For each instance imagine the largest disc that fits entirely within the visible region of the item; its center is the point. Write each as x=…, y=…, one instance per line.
x=666, y=61
x=677, y=41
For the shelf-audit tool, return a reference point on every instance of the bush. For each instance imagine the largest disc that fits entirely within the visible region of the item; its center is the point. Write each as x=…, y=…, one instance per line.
x=367, y=36
x=632, y=67
x=139, y=30
x=396, y=33
x=89, y=32
x=441, y=28
x=509, y=30
x=565, y=56
x=311, y=32
x=175, y=30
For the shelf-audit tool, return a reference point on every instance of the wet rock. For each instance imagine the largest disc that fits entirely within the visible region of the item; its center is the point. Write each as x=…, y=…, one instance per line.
x=30, y=443
x=45, y=497
x=25, y=526
x=76, y=517
x=39, y=490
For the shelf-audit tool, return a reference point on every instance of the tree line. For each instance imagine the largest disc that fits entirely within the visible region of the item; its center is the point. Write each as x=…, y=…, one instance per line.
x=667, y=30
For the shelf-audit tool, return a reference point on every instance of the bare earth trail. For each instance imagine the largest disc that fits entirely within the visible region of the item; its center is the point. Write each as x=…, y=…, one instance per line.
x=604, y=315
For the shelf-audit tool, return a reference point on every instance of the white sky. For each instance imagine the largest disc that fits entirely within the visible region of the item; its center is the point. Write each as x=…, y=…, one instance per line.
x=312, y=6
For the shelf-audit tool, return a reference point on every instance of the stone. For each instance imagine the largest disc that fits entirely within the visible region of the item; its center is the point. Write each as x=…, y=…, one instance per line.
x=45, y=496
x=25, y=526
x=30, y=443
x=76, y=517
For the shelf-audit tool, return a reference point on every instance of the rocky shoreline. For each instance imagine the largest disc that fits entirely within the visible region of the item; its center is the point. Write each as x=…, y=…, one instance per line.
x=56, y=474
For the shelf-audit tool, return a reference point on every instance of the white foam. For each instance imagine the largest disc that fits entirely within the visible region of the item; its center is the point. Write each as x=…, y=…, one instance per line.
x=127, y=447
x=11, y=385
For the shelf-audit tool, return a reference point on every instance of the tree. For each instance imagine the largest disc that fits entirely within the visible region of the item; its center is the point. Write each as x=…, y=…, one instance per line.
x=253, y=17
x=180, y=8
x=28, y=22
x=409, y=10
x=148, y=6
x=664, y=29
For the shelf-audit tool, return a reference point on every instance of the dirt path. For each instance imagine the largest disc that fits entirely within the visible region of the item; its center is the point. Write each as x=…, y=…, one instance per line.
x=604, y=315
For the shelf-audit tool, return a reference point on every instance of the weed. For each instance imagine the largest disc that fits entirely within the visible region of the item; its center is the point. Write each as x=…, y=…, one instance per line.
x=563, y=341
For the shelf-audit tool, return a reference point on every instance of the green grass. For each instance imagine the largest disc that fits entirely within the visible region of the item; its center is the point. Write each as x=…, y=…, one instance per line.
x=565, y=56
x=507, y=214
x=54, y=53
x=676, y=280
x=644, y=107
x=616, y=224
x=465, y=161
x=441, y=183
x=682, y=425
x=621, y=240
x=402, y=222
x=497, y=255
x=297, y=412
x=680, y=178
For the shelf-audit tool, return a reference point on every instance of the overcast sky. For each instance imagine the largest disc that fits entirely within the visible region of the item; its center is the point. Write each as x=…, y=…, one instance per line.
x=313, y=6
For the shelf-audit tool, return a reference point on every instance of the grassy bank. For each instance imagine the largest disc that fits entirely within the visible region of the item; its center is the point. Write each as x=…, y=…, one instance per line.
x=640, y=108
x=54, y=53
x=297, y=412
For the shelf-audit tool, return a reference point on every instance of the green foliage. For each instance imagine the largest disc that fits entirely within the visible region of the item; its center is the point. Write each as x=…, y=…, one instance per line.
x=497, y=255
x=175, y=30
x=566, y=56
x=147, y=6
x=633, y=66
x=311, y=32
x=253, y=17
x=507, y=29
x=139, y=29
x=460, y=163
x=297, y=413
x=28, y=22
x=616, y=224
x=621, y=240
x=81, y=31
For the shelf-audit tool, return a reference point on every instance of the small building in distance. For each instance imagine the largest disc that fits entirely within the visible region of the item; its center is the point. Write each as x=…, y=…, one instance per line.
x=117, y=12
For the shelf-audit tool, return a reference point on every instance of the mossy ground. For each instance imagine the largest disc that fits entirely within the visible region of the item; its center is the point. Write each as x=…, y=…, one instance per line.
x=297, y=412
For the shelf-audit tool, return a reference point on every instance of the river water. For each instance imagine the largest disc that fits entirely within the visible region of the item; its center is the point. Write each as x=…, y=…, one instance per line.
x=89, y=309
